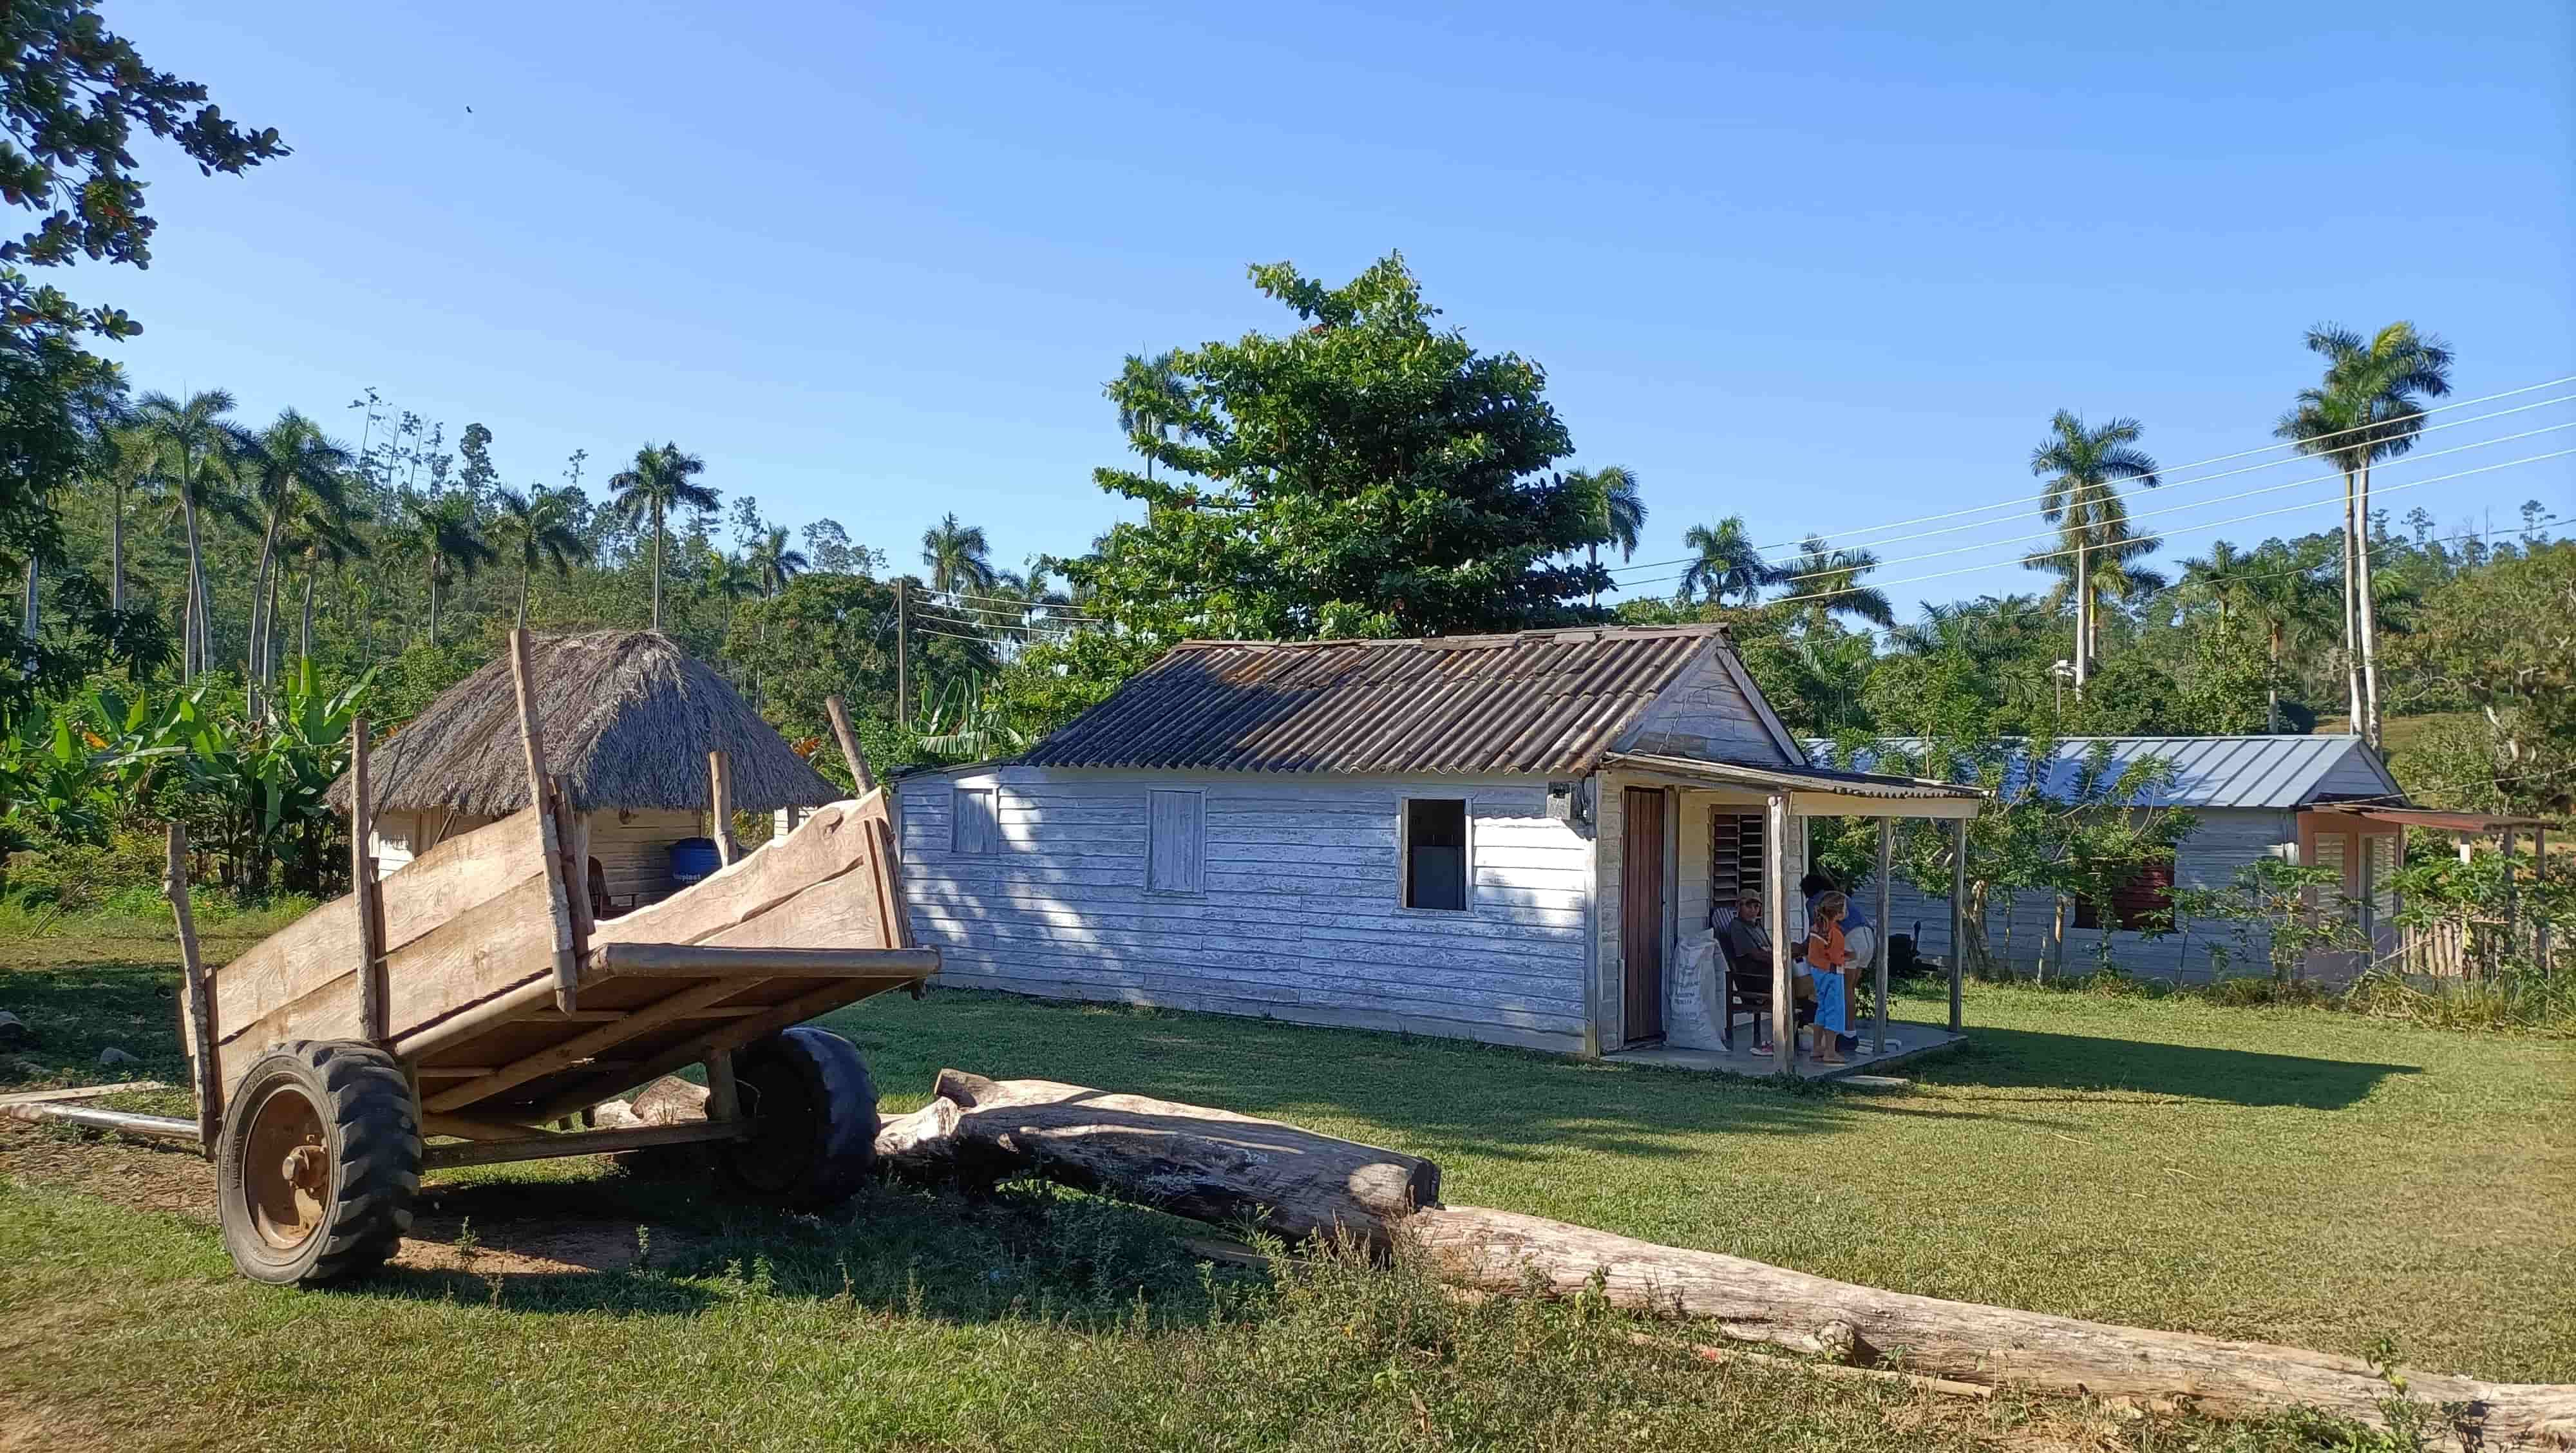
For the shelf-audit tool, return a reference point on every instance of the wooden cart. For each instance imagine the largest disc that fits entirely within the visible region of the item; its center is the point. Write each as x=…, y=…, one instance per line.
x=448, y=1015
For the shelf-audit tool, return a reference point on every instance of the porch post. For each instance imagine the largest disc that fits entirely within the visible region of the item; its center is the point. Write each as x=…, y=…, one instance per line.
x=1886, y=857
x=2511, y=906
x=1775, y=897
x=1958, y=914
x=2539, y=884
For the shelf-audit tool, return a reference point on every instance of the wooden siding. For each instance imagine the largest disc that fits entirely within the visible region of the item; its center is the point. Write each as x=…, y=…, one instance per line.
x=635, y=855
x=2228, y=839
x=2352, y=775
x=1705, y=714
x=1300, y=918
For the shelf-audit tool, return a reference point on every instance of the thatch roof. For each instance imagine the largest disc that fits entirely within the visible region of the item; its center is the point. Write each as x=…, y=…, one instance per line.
x=628, y=719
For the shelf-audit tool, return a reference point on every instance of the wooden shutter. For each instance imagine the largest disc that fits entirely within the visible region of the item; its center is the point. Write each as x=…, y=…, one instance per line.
x=1176, y=841
x=972, y=828
x=1734, y=855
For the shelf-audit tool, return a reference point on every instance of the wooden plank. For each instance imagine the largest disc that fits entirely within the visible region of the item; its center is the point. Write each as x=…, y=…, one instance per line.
x=478, y=953
x=476, y=1019
x=78, y=1092
x=1886, y=869
x=373, y=1024
x=584, y=1142
x=467, y=1127
x=605, y=1016
x=197, y=1021
x=558, y=918
x=464, y=872
x=843, y=912
x=585, y=1046
x=286, y=966
x=700, y=960
x=720, y=805
x=849, y=740
x=724, y=1097
x=795, y=1011
x=1776, y=888
x=824, y=846
x=889, y=883
x=1958, y=916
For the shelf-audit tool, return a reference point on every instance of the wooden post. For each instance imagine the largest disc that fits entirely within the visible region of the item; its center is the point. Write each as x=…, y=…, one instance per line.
x=2539, y=884
x=1775, y=896
x=849, y=741
x=374, y=994
x=1958, y=915
x=200, y=1006
x=549, y=830
x=902, y=651
x=1886, y=867
x=720, y=805
x=2512, y=905
x=724, y=1097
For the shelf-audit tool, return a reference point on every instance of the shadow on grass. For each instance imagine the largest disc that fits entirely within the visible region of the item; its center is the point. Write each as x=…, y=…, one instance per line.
x=2031, y=1059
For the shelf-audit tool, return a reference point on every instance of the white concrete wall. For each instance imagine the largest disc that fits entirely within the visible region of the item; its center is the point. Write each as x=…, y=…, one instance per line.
x=2228, y=839
x=1301, y=918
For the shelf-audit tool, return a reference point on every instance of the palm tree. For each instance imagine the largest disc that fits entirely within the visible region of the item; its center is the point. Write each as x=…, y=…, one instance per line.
x=2220, y=578
x=190, y=449
x=2081, y=467
x=2368, y=407
x=658, y=482
x=777, y=561
x=1153, y=404
x=1825, y=583
x=958, y=557
x=120, y=459
x=1727, y=563
x=2283, y=591
x=2116, y=574
x=445, y=532
x=1613, y=511
x=538, y=525
x=323, y=538
x=289, y=465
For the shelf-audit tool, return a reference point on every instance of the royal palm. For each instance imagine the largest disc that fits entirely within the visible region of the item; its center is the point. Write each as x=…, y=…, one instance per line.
x=191, y=453
x=660, y=481
x=537, y=527
x=2083, y=468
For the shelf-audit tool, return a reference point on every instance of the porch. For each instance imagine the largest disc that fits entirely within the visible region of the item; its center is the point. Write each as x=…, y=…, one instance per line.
x=1680, y=842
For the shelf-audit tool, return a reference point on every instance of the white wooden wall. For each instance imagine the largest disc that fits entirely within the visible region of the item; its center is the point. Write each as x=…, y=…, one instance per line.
x=2228, y=839
x=1301, y=917
x=1706, y=714
x=635, y=855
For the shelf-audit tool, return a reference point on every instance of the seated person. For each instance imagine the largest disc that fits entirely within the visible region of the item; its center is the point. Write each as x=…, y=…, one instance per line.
x=1827, y=957
x=1747, y=947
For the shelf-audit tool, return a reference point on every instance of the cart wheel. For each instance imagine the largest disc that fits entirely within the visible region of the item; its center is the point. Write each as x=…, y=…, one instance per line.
x=317, y=1164
x=814, y=1141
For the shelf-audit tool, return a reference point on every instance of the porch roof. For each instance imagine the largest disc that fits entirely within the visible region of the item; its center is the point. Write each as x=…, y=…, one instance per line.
x=2439, y=819
x=1813, y=791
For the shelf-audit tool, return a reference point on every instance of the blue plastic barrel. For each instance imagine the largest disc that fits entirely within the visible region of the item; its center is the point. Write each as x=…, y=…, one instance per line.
x=693, y=858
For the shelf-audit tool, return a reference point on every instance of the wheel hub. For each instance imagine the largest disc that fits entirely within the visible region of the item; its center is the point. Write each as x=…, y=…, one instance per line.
x=286, y=1168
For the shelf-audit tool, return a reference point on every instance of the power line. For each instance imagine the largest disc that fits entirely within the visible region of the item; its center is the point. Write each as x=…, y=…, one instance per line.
x=2187, y=529
x=2022, y=500
x=2177, y=484
x=2193, y=505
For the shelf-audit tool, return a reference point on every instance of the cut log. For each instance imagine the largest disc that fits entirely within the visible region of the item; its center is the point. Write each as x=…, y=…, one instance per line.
x=1211, y=1165
x=1749, y=1301
x=669, y=1100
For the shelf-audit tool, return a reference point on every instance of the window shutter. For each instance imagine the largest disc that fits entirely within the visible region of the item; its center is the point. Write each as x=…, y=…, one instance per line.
x=972, y=829
x=1176, y=841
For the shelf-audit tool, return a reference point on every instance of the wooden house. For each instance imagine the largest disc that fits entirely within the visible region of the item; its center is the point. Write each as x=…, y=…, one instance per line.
x=1501, y=837
x=628, y=719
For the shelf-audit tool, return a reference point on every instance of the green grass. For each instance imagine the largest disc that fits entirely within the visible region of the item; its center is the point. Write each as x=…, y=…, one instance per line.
x=2287, y=1174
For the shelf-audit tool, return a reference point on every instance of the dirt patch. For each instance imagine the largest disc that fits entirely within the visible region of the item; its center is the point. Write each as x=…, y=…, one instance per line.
x=149, y=1177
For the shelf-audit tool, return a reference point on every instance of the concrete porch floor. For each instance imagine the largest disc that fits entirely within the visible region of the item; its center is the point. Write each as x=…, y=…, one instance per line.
x=1906, y=1040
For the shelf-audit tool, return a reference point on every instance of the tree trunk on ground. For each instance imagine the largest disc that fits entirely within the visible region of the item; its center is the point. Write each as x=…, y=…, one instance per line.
x=1210, y=1165
x=2367, y=612
x=1749, y=1301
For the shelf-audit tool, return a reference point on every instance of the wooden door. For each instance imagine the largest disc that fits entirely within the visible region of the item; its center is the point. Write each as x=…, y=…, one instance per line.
x=1641, y=913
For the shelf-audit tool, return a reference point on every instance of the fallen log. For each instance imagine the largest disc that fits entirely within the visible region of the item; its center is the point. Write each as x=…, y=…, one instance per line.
x=1209, y=1165
x=1749, y=1301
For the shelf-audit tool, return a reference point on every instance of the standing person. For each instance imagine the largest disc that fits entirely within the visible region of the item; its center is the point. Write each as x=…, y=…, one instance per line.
x=1826, y=957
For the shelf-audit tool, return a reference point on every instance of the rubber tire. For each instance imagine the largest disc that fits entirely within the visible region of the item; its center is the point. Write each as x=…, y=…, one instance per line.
x=815, y=1112
x=373, y=1134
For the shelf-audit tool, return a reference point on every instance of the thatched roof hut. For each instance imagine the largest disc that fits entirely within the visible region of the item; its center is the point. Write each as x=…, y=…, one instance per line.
x=628, y=720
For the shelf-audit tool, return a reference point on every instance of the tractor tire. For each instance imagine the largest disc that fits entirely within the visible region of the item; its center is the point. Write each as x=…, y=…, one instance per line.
x=814, y=1120
x=318, y=1163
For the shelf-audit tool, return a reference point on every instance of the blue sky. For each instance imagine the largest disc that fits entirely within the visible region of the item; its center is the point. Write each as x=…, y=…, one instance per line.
x=1826, y=271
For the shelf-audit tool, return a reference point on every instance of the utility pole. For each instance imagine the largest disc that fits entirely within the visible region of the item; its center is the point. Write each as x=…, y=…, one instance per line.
x=902, y=650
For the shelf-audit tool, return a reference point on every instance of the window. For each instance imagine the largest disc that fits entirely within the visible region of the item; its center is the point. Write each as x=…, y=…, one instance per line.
x=1734, y=856
x=1176, y=842
x=972, y=831
x=1435, y=852
x=2144, y=902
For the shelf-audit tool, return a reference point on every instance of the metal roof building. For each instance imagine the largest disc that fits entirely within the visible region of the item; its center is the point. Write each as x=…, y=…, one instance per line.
x=2209, y=772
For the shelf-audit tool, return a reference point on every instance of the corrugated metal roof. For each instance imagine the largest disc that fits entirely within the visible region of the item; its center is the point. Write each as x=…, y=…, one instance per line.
x=1826, y=779
x=2251, y=771
x=1539, y=702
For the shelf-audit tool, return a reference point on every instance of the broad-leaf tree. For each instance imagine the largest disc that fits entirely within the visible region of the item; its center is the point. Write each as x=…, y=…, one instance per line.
x=1367, y=473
